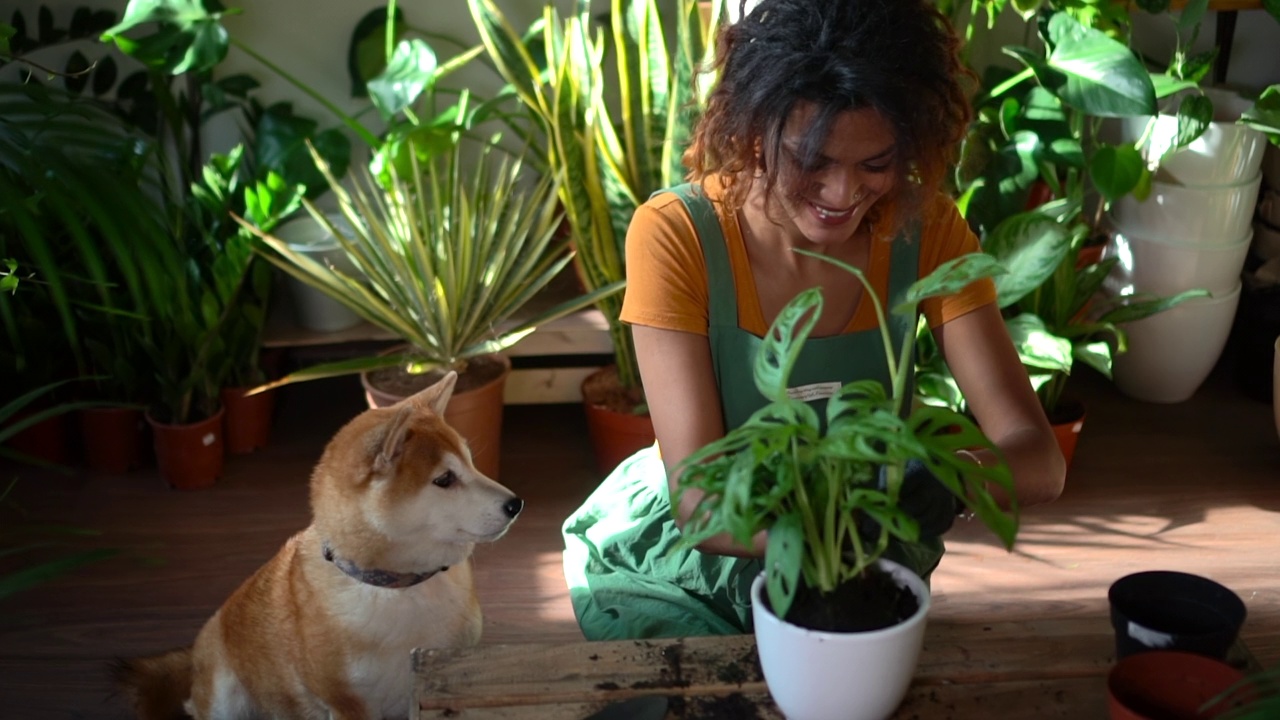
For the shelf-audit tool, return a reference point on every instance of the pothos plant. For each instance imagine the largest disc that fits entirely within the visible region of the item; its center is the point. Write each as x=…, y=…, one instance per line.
x=812, y=480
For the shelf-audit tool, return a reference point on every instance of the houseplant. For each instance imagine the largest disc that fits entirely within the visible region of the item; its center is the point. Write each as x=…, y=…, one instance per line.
x=828, y=495
x=450, y=254
x=608, y=157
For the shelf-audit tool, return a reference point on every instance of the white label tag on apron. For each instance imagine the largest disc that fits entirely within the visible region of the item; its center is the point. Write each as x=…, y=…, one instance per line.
x=816, y=391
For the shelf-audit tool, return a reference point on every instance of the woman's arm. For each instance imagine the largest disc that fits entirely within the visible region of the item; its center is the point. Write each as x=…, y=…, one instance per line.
x=985, y=364
x=684, y=403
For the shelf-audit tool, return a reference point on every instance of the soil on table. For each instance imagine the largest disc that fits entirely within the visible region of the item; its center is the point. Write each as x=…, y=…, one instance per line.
x=476, y=372
x=872, y=601
x=604, y=390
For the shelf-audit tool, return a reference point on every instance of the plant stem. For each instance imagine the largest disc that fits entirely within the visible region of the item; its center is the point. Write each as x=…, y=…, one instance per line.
x=364, y=133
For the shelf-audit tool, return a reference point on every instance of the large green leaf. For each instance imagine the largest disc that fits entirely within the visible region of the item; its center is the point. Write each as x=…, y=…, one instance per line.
x=781, y=346
x=1264, y=116
x=1030, y=246
x=410, y=71
x=1102, y=77
x=950, y=278
x=1194, y=115
x=1038, y=347
x=1116, y=170
x=189, y=35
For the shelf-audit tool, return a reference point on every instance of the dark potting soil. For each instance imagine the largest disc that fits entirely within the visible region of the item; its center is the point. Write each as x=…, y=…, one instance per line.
x=395, y=381
x=872, y=601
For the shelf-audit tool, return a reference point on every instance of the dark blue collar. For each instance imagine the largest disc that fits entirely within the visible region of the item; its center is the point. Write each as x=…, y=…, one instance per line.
x=378, y=578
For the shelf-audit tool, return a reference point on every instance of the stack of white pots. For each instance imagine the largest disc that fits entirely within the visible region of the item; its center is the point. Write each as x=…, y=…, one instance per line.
x=1193, y=231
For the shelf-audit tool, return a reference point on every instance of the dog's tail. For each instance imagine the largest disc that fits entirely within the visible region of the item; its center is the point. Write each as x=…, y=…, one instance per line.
x=156, y=686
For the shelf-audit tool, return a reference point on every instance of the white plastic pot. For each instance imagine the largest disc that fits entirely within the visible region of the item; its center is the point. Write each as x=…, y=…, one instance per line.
x=839, y=676
x=1225, y=154
x=1171, y=353
x=314, y=309
x=1164, y=267
x=1218, y=215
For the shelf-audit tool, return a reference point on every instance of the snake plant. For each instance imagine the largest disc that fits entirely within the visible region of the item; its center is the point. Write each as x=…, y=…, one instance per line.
x=609, y=157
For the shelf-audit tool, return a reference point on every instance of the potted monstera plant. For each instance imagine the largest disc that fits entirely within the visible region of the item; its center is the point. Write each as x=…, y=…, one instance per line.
x=828, y=495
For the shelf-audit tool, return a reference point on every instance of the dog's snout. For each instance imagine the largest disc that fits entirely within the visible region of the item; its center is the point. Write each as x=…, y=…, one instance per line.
x=513, y=507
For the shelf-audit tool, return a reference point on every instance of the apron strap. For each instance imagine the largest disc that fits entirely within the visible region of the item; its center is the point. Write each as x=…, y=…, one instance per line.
x=722, y=295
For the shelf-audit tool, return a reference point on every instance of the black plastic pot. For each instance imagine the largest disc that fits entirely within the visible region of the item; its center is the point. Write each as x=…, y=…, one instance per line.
x=1168, y=610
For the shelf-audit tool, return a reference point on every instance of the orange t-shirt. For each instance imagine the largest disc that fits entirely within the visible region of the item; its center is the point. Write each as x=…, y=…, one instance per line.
x=667, y=274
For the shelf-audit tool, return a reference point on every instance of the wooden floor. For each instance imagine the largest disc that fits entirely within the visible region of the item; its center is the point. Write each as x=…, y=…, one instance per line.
x=1193, y=486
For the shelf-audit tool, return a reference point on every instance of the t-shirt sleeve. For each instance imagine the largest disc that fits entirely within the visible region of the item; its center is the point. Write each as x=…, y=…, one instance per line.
x=666, y=272
x=946, y=236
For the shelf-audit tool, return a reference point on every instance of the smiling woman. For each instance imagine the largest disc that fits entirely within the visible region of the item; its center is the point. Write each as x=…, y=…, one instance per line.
x=830, y=130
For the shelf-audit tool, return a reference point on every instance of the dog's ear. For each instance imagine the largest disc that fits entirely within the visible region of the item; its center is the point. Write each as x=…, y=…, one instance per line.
x=435, y=397
x=391, y=447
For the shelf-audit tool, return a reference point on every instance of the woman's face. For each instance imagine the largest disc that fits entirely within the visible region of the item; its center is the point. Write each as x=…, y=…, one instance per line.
x=828, y=199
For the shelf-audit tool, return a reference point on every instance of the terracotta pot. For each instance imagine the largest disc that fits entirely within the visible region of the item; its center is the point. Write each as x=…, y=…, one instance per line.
x=616, y=436
x=247, y=422
x=114, y=439
x=476, y=413
x=1167, y=684
x=47, y=440
x=1067, y=428
x=1089, y=255
x=189, y=456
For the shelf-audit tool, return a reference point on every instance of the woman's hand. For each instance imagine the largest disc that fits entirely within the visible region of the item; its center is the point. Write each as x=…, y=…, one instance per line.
x=985, y=364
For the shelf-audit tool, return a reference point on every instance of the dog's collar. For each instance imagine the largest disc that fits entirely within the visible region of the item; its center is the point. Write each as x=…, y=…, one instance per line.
x=378, y=578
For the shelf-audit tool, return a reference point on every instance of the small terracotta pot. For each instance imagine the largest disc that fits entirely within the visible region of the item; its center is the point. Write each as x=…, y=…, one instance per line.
x=475, y=414
x=1067, y=430
x=114, y=439
x=189, y=456
x=47, y=440
x=248, y=418
x=1168, y=684
x=616, y=436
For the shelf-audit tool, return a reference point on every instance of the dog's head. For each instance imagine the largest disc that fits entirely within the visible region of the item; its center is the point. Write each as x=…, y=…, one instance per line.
x=400, y=477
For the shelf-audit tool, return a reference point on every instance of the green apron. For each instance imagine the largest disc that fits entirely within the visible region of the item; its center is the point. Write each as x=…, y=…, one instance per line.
x=625, y=580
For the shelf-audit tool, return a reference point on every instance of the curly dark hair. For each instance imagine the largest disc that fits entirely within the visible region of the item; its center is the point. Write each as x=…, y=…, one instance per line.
x=898, y=57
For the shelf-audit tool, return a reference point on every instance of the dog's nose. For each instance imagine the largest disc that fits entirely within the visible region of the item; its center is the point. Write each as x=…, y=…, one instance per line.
x=512, y=507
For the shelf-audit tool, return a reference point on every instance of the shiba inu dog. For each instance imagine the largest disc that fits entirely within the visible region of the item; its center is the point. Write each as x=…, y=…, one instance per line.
x=325, y=628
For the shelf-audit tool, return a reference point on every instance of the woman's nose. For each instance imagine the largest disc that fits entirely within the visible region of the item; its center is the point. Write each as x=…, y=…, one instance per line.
x=841, y=188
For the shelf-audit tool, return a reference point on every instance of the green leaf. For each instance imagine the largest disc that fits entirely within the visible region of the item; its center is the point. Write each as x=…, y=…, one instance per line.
x=1192, y=14
x=367, y=48
x=1273, y=8
x=1030, y=246
x=1264, y=116
x=1135, y=308
x=1196, y=67
x=189, y=34
x=783, y=556
x=781, y=346
x=1194, y=115
x=1027, y=8
x=410, y=72
x=950, y=278
x=1102, y=77
x=1166, y=85
x=1038, y=347
x=1116, y=170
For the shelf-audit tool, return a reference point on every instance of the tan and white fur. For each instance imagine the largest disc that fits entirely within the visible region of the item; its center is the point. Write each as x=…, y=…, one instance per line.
x=394, y=497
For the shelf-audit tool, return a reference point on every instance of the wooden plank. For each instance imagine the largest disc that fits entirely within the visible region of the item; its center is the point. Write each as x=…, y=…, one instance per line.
x=545, y=385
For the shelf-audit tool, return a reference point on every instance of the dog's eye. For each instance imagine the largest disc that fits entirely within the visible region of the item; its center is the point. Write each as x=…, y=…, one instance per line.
x=445, y=480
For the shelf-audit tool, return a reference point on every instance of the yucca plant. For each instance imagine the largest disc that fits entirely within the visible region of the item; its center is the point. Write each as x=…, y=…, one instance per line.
x=608, y=160
x=449, y=255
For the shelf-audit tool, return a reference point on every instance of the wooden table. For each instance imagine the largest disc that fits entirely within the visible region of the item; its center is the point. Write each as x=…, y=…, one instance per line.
x=1041, y=669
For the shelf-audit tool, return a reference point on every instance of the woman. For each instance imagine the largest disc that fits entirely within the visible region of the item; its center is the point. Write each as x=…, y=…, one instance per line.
x=830, y=130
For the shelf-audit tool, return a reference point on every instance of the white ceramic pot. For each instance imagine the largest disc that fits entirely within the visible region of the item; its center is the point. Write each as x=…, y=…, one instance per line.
x=1170, y=354
x=1226, y=153
x=839, y=676
x=1163, y=267
x=1266, y=241
x=314, y=309
x=1217, y=215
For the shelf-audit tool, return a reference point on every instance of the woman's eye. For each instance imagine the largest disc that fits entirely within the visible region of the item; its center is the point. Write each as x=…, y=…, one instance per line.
x=445, y=480
x=877, y=168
